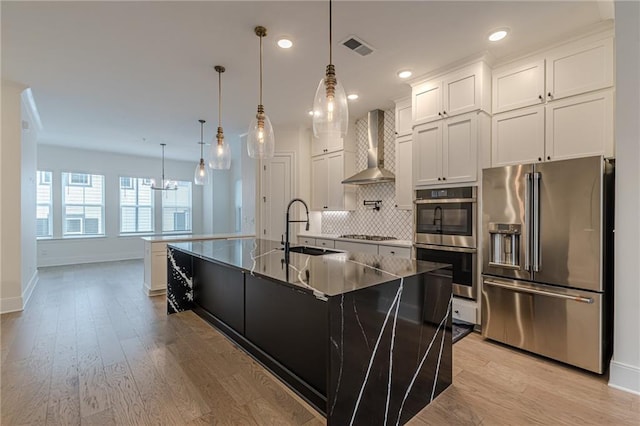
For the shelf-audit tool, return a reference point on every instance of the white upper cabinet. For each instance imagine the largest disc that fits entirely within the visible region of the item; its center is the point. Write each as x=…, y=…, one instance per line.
x=518, y=87
x=455, y=93
x=518, y=136
x=579, y=69
x=404, y=182
x=446, y=151
x=556, y=106
x=404, y=118
x=327, y=172
x=580, y=126
x=326, y=144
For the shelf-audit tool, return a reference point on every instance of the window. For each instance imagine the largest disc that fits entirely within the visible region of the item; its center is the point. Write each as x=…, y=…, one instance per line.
x=176, y=209
x=136, y=206
x=82, y=204
x=44, y=222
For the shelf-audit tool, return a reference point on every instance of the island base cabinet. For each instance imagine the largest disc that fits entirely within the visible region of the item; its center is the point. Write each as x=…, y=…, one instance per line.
x=391, y=350
x=289, y=325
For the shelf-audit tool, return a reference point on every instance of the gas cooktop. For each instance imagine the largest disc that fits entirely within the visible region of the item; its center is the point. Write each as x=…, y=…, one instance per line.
x=367, y=237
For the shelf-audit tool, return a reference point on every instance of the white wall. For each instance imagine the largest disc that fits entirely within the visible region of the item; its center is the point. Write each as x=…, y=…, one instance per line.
x=64, y=251
x=18, y=274
x=625, y=365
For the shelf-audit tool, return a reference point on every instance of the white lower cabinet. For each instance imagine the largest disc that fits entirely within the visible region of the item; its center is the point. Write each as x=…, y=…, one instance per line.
x=357, y=247
x=327, y=173
x=465, y=310
x=573, y=127
x=305, y=241
x=404, y=252
x=321, y=242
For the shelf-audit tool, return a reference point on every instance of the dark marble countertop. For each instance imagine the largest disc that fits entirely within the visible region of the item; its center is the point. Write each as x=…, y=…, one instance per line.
x=326, y=275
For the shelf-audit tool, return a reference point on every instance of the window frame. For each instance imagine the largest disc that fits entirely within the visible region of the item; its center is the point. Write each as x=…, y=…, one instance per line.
x=40, y=180
x=178, y=208
x=66, y=183
x=135, y=184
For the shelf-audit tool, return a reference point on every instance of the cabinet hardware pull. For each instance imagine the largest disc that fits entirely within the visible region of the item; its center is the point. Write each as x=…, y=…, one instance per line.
x=444, y=112
x=392, y=252
x=539, y=158
x=440, y=114
x=540, y=97
x=444, y=178
x=439, y=178
x=548, y=157
x=550, y=95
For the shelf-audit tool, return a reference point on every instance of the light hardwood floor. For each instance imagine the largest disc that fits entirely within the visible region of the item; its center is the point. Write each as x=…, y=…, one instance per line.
x=92, y=348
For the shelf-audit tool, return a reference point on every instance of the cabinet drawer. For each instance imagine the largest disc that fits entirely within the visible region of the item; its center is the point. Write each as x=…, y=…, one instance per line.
x=305, y=241
x=464, y=310
x=320, y=242
x=404, y=252
x=357, y=247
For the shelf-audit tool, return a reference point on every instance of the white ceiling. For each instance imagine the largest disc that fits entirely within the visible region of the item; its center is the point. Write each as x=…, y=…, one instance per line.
x=106, y=75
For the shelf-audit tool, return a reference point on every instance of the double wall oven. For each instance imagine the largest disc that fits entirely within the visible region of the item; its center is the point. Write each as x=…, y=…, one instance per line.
x=446, y=232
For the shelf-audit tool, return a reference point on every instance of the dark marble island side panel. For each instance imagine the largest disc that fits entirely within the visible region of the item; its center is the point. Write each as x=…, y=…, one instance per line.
x=388, y=360
x=179, y=281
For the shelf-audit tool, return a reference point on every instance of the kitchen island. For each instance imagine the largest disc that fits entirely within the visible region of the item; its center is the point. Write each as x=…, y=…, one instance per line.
x=364, y=338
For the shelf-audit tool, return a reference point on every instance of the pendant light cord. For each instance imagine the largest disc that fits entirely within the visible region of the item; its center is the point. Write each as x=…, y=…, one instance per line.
x=163, y=165
x=219, y=98
x=201, y=140
x=260, y=70
x=330, y=33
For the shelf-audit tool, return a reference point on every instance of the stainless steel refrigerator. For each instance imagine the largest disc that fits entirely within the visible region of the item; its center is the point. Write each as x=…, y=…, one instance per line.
x=547, y=235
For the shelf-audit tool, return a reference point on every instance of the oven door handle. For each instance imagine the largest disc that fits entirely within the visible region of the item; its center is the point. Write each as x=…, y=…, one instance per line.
x=445, y=248
x=445, y=201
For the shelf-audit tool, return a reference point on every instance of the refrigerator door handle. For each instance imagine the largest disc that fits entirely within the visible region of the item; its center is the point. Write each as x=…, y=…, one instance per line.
x=527, y=221
x=537, y=255
x=529, y=290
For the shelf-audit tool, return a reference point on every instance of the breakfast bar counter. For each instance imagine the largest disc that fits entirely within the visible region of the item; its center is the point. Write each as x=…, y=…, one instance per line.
x=364, y=338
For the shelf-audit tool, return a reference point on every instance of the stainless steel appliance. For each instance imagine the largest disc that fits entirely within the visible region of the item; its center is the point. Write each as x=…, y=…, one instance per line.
x=547, y=270
x=446, y=232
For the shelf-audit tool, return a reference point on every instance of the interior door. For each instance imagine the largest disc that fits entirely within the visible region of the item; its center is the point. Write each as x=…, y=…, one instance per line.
x=571, y=223
x=276, y=194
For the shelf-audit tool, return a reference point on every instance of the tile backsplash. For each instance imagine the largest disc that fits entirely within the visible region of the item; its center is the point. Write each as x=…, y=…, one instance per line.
x=389, y=221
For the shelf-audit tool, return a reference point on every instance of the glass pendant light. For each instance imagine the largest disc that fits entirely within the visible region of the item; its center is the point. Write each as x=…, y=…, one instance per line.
x=201, y=175
x=260, y=140
x=220, y=154
x=330, y=109
x=165, y=185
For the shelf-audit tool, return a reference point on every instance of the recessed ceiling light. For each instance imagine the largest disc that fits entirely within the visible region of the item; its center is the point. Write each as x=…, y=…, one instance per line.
x=405, y=74
x=498, y=35
x=352, y=97
x=285, y=43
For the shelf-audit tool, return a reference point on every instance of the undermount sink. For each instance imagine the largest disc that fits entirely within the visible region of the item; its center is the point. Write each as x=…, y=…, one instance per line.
x=311, y=251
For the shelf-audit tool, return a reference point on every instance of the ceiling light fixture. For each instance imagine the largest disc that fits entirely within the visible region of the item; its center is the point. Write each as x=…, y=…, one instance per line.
x=220, y=153
x=331, y=112
x=285, y=43
x=310, y=112
x=498, y=35
x=352, y=96
x=168, y=185
x=260, y=140
x=405, y=74
x=201, y=175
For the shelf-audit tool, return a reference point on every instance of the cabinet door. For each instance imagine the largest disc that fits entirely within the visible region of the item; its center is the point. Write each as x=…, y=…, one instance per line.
x=461, y=92
x=404, y=183
x=518, y=136
x=580, y=126
x=404, y=252
x=356, y=247
x=427, y=102
x=459, y=149
x=335, y=188
x=518, y=87
x=427, y=154
x=404, y=119
x=319, y=182
x=580, y=69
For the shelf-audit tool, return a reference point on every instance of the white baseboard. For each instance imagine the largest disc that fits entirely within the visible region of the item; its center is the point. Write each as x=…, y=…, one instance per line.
x=92, y=258
x=10, y=304
x=624, y=377
x=26, y=294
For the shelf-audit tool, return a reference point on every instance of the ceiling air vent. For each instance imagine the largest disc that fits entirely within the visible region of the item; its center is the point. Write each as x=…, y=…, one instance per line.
x=357, y=45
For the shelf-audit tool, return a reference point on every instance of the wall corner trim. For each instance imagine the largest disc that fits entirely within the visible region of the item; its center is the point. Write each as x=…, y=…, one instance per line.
x=624, y=377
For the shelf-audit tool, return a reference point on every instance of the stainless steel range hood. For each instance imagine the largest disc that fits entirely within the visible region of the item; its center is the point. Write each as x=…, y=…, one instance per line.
x=375, y=171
